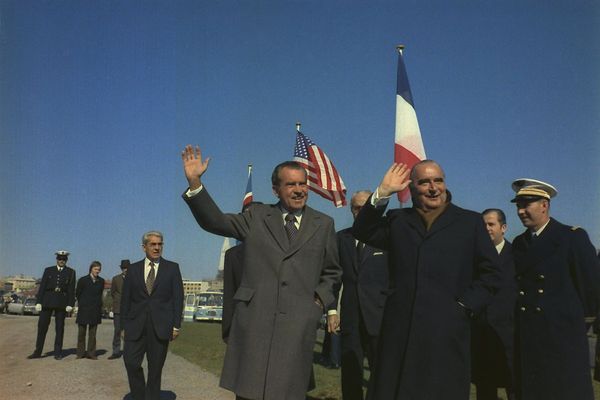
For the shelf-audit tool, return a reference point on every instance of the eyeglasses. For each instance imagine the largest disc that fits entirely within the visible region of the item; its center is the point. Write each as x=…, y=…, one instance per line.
x=61, y=258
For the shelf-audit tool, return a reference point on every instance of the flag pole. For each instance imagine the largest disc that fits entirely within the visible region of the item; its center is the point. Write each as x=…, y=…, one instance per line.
x=400, y=50
x=298, y=125
x=249, y=168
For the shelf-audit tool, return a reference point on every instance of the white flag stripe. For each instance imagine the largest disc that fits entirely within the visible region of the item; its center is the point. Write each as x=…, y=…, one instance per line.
x=408, y=133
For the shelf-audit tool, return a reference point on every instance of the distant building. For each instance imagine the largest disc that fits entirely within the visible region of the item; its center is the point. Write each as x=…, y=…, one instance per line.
x=19, y=283
x=194, y=287
x=215, y=285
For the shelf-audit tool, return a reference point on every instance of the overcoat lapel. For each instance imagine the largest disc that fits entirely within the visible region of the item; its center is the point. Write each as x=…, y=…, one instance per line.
x=414, y=220
x=274, y=224
x=445, y=219
x=309, y=226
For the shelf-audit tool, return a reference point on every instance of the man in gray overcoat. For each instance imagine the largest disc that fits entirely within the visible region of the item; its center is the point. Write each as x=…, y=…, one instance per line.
x=290, y=266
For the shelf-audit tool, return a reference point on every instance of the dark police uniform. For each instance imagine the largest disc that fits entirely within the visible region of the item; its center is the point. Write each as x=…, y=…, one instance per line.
x=56, y=292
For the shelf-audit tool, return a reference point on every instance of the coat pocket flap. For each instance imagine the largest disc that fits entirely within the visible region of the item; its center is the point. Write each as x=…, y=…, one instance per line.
x=243, y=294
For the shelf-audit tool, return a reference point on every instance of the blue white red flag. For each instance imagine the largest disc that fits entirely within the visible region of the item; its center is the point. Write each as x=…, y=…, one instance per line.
x=408, y=148
x=248, y=196
x=323, y=178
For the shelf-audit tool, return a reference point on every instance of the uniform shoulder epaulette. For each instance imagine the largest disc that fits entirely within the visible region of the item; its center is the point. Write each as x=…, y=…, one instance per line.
x=574, y=228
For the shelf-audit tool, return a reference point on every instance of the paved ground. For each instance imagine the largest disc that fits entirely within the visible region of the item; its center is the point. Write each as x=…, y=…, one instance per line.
x=71, y=379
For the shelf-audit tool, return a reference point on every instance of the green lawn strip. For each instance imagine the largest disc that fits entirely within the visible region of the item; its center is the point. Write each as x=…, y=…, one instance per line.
x=200, y=343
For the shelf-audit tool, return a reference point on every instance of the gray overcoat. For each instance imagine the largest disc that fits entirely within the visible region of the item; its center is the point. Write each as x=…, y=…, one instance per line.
x=270, y=348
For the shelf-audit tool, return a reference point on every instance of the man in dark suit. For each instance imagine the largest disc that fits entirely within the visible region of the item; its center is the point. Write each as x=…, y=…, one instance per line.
x=151, y=309
x=56, y=295
x=364, y=284
x=492, y=334
x=116, y=291
x=89, y=314
x=232, y=277
x=290, y=266
x=443, y=270
x=558, y=278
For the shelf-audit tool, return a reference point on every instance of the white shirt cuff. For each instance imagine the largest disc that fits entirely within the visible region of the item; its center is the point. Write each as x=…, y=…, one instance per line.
x=379, y=201
x=192, y=193
x=332, y=312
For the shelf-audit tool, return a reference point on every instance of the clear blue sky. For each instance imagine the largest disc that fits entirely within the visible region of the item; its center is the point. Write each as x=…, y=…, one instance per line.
x=97, y=99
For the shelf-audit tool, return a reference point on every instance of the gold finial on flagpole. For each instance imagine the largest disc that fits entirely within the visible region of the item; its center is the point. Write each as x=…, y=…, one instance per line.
x=400, y=48
x=298, y=125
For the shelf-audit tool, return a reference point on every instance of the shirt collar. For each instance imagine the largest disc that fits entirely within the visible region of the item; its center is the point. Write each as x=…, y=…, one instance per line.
x=147, y=262
x=539, y=231
x=500, y=246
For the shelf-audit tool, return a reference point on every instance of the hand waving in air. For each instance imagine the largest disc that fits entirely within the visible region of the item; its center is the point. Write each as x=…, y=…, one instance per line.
x=193, y=165
x=395, y=180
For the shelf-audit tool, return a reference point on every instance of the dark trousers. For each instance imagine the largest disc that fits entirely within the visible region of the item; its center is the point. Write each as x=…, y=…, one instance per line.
x=331, y=348
x=356, y=345
x=116, y=343
x=155, y=350
x=44, y=323
x=490, y=392
x=91, y=347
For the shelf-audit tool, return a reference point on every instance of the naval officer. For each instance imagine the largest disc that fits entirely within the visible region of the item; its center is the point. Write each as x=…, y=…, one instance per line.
x=56, y=295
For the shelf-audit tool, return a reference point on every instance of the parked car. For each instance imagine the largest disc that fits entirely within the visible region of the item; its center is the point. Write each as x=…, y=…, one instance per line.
x=16, y=306
x=29, y=307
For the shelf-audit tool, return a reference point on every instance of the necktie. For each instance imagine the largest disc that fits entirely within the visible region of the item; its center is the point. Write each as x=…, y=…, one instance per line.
x=150, y=278
x=290, y=226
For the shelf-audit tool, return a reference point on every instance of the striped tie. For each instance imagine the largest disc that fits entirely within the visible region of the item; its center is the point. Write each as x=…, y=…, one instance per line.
x=290, y=226
x=150, y=278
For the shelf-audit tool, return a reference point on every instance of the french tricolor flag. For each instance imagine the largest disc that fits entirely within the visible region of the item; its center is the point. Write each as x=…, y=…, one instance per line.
x=408, y=148
x=248, y=196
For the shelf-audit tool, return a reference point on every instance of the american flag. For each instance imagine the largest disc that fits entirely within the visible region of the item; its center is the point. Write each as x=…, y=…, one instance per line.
x=323, y=178
x=248, y=196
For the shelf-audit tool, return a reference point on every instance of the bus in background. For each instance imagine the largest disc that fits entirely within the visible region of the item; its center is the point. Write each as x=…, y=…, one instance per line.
x=209, y=306
x=189, y=307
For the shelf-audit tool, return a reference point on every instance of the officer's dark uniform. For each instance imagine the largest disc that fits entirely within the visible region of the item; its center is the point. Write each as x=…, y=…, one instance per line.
x=558, y=277
x=56, y=292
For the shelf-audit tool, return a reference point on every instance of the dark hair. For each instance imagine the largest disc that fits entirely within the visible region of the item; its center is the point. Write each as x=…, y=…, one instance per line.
x=499, y=213
x=286, y=164
x=95, y=264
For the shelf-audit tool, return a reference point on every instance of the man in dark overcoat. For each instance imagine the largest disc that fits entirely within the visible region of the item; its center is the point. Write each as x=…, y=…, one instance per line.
x=290, y=266
x=493, y=331
x=151, y=313
x=116, y=291
x=558, y=278
x=56, y=295
x=364, y=284
x=89, y=310
x=443, y=270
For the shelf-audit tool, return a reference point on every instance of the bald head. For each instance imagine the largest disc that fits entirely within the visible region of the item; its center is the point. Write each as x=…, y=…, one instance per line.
x=428, y=185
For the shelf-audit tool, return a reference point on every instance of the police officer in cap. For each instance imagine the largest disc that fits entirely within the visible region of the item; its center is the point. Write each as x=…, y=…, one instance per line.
x=558, y=277
x=56, y=295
